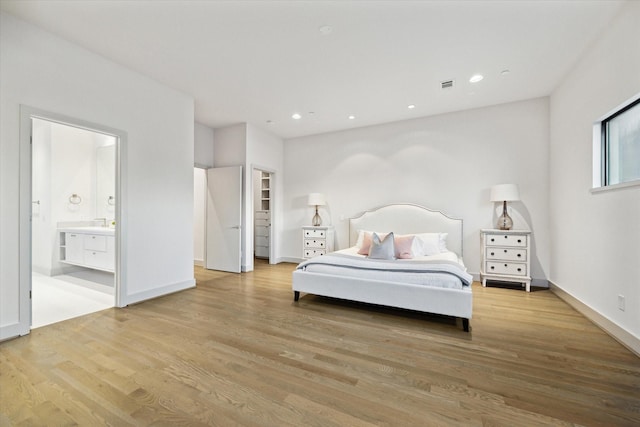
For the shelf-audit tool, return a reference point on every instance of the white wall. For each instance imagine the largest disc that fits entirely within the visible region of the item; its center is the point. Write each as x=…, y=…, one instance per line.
x=203, y=146
x=596, y=236
x=447, y=162
x=45, y=72
x=203, y=158
x=199, y=214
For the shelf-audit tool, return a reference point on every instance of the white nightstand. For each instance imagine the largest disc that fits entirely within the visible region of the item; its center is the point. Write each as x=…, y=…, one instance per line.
x=506, y=256
x=316, y=241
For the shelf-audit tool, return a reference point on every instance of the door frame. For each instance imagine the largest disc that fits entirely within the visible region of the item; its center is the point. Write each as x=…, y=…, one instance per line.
x=272, y=197
x=25, y=205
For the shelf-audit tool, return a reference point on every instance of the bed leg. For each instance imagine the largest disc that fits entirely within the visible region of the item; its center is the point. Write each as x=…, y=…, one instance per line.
x=296, y=295
x=465, y=325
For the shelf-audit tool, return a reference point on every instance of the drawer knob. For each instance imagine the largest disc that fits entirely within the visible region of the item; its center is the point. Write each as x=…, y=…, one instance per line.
x=492, y=254
x=519, y=269
x=519, y=255
x=519, y=241
x=506, y=237
x=493, y=240
x=505, y=251
x=505, y=265
x=492, y=267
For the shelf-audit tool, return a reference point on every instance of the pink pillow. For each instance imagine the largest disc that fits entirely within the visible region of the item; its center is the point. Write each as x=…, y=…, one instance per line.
x=366, y=244
x=403, y=246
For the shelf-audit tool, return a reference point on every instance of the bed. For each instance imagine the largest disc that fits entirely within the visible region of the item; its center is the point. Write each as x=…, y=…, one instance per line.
x=441, y=287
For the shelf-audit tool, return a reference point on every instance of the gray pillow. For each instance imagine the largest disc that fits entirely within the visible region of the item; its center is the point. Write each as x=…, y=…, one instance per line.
x=384, y=249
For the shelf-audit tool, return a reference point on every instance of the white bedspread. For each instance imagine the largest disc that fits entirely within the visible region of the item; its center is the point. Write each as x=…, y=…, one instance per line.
x=444, y=270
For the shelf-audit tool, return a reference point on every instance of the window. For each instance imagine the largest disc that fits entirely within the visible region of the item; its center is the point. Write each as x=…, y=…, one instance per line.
x=617, y=138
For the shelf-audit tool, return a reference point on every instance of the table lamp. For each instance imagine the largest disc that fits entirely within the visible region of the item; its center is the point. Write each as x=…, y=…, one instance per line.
x=504, y=193
x=316, y=199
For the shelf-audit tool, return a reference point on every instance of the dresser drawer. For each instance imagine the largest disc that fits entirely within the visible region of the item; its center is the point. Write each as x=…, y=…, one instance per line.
x=262, y=231
x=262, y=215
x=262, y=251
x=262, y=222
x=262, y=241
x=315, y=234
x=507, y=254
x=509, y=268
x=310, y=253
x=507, y=240
x=95, y=243
x=308, y=243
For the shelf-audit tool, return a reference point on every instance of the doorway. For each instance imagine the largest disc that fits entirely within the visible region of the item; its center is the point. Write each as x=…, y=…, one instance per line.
x=262, y=215
x=73, y=170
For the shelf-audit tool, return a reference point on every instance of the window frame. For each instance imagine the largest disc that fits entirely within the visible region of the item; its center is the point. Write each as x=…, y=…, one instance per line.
x=601, y=149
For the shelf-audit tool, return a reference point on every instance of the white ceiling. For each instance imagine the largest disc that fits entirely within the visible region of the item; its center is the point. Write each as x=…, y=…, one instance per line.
x=260, y=61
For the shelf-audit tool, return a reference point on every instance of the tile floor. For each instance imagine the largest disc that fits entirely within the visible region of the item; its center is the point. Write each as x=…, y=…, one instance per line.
x=63, y=297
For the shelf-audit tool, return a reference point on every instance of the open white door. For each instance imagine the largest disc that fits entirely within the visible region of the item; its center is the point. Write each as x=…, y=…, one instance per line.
x=224, y=219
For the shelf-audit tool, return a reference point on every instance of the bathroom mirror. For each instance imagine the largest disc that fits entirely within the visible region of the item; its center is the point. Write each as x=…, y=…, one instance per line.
x=106, y=182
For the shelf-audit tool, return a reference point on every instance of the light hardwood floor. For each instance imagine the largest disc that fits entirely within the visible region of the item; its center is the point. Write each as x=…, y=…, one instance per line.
x=237, y=350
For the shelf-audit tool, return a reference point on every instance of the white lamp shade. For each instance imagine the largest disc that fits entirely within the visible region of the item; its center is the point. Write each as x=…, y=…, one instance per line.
x=316, y=199
x=504, y=192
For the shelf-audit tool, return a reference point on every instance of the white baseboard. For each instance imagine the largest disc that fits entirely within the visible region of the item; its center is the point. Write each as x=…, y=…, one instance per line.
x=619, y=334
x=159, y=292
x=198, y=262
x=289, y=259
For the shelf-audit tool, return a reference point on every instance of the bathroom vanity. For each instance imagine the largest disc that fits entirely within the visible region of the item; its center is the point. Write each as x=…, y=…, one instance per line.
x=90, y=247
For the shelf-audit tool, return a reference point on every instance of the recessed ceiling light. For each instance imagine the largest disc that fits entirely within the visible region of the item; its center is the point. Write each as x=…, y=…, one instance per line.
x=296, y=116
x=411, y=106
x=505, y=72
x=325, y=30
x=269, y=122
x=352, y=117
x=476, y=78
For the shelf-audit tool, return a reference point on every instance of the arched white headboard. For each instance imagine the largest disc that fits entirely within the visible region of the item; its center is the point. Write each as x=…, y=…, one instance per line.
x=408, y=219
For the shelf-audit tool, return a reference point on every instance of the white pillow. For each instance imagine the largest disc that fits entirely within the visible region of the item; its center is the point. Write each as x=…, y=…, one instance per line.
x=431, y=243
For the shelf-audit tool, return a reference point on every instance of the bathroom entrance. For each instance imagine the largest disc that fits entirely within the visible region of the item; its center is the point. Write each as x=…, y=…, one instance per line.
x=73, y=220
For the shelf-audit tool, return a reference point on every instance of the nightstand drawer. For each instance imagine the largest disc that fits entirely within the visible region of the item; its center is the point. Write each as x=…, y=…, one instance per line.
x=310, y=253
x=509, y=268
x=309, y=233
x=507, y=254
x=315, y=243
x=507, y=240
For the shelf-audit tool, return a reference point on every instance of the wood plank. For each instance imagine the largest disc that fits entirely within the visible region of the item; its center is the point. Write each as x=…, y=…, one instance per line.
x=237, y=350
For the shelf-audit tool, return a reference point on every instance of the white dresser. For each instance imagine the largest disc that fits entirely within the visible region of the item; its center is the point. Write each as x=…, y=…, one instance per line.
x=316, y=241
x=262, y=230
x=506, y=256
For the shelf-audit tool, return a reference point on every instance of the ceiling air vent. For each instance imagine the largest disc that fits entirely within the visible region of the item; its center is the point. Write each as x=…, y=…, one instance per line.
x=447, y=84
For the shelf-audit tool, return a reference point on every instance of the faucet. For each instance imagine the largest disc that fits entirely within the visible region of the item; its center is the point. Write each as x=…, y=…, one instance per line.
x=104, y=221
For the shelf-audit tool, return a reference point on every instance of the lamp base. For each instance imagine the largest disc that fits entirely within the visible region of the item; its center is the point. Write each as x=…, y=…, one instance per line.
x=504, y=221
x=316, y=221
